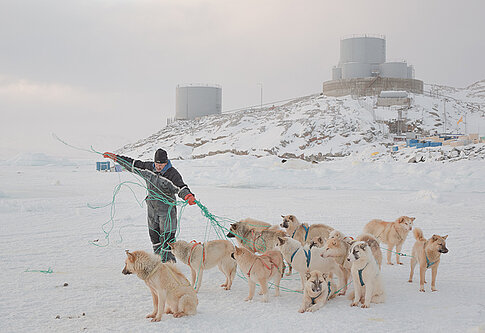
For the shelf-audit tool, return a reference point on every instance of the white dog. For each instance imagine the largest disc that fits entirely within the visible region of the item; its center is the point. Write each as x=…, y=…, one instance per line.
x=366, y=275
x=305, y=259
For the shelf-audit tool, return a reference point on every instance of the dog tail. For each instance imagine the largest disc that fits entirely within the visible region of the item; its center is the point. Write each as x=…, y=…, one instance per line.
x=418, y=234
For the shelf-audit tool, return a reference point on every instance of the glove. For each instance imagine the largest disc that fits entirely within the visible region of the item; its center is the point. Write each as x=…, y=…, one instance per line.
x=190, y=198
x=110, y=155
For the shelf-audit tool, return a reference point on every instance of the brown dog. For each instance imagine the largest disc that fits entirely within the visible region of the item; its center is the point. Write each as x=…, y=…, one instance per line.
x=391, y=233
x=427, y=253
x=260, y=269
x=168, y=286
x=303, y=232
x=200, y=257
x=256, y=236
x=318, y=290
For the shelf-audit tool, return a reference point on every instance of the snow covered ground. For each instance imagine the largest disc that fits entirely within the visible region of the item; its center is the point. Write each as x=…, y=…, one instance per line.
x=46, y=223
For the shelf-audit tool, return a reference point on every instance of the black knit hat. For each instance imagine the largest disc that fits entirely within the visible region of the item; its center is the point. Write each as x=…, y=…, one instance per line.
x=161, y=156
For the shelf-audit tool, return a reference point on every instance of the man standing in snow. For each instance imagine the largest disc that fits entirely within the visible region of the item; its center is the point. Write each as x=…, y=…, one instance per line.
x=163, y=183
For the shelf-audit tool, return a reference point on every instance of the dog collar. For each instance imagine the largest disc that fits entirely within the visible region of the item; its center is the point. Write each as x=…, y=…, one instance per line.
x=360, y=275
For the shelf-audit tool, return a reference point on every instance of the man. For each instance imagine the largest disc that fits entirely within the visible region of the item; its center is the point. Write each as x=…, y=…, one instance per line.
x=163, y=183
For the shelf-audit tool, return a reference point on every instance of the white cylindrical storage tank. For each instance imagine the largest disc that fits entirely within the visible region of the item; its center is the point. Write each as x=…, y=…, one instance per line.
x=371, y=50
x=197, y=100
x=336, y=73
x=410, y=72
x=353, y=70
x=397, y=70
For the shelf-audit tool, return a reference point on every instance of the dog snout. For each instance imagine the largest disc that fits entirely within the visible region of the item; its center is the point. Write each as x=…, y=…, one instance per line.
x=125, y=271
x=230, y=234
x=444, y=250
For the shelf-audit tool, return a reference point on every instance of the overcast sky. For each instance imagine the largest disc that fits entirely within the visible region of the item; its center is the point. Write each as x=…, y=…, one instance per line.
x=104, y=73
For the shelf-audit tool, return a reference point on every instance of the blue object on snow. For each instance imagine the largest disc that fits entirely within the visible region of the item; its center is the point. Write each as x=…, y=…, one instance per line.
x=118, y=168
x=102, y=166
x=395, y=148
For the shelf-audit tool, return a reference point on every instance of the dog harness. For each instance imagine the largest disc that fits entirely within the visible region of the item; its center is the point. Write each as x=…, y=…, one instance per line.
x=360, y=275
x=306, y=231
x=308, y=255
x=192, y=250
x=268, y=267
x=255, y=239
x=428, y=263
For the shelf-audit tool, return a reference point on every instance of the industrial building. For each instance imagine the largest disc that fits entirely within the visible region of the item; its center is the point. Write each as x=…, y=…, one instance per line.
x=197, y=100
x=363, y=70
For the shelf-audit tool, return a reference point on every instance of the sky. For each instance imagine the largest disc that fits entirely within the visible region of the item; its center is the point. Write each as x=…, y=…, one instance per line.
x=104, y=73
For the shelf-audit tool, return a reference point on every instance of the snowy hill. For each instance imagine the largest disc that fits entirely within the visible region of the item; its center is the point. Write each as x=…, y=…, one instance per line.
x=320, y=128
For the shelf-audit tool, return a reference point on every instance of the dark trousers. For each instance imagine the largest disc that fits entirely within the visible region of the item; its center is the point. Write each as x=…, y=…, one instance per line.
x=162, y=226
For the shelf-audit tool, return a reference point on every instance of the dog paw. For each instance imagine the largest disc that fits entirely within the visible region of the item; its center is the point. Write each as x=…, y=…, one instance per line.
x=151, y=315
x=422, y=290
x=224, y=285
x=354, y=304
x=364, y=306
x=410, y=280
x=400, y=263
x=248, y=299
x=390, y=263
x=301, y=310
x=178, y=314
x=434, y=289
x=156, y=319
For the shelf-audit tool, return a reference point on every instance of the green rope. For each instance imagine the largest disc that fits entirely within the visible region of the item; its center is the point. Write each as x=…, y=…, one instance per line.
x=398, y=253
x=48, y=271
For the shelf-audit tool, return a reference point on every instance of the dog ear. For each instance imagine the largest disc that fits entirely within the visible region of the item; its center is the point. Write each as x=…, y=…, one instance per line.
x=308, y=275
x=320, y=240
x=445, y=237
x=283, y=216
x=412, y=219
x=131, y=256
x=281, y=241
x=325, y=276
x=401, y=219
x=434, y=238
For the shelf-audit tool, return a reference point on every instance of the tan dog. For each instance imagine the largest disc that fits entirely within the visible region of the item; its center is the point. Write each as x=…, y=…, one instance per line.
x=337, y=247
x=318, y=290
x=427, y=253
x=255, y=236
x=368, y=285
x=391, y=233
x=260, y=269
x=303, y=232
x=168, y=286
x=200, y=257
x=305, y=259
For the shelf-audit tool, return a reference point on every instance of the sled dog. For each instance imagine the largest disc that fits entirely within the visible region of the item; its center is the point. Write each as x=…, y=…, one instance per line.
x=391, y=233
x=368, y=285
x=317, y=291
x=260, y=269
x=200, y=257
x=374, y=246
x=303, y=232
x=303, y=260
x=255, y=237
x=171, y=291
x=427, y=253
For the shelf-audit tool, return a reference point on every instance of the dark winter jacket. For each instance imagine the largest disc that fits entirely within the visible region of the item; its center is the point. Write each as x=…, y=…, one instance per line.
x=166, y=183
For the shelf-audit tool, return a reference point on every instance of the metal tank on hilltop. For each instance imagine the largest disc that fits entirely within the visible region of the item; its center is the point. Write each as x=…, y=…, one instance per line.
x=197, y=100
